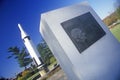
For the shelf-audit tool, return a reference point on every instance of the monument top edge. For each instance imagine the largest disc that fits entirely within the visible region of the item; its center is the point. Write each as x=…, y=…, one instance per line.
x=84, y=3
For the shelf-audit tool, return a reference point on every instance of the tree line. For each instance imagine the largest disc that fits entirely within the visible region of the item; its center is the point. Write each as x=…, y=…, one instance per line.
x=109, y=20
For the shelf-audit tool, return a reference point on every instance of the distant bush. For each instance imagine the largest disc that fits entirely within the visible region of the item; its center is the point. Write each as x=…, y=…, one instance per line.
x=45, y=53
x=2, y=78
x=118, y=12
x=52, y=60
x=25, y=75
x=109, y=20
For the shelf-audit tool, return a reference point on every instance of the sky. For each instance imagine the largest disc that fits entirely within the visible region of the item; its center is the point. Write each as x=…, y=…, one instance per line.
x=27, y=13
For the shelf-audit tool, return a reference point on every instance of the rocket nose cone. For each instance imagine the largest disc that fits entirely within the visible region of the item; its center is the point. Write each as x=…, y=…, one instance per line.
x=20, y=27
x=23, y=33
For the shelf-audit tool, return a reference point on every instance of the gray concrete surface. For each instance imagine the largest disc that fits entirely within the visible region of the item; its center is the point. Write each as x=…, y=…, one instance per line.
x=60, y=75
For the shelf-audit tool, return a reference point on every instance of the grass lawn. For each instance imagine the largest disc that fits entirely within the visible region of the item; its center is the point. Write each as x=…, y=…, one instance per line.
x=116, y=31
x=31, y=78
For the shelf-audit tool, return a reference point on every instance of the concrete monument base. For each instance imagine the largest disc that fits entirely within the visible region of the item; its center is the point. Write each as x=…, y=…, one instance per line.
x=81, y=42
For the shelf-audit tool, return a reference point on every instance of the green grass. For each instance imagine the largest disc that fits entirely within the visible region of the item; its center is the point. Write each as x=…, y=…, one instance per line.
x=116, y=31
x=31, y=78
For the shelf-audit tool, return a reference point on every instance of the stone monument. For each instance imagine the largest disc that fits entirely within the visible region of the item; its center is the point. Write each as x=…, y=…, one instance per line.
x=81, y=42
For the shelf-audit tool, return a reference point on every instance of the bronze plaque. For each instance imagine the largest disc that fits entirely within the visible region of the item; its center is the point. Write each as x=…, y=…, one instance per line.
x=83, y=30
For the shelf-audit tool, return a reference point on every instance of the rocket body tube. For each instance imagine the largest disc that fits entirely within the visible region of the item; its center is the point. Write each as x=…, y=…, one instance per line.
x=30, y=46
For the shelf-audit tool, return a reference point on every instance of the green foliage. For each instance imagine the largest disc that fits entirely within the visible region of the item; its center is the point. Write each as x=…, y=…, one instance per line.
x=37, y=74
x=3, y=78
x=52, y=60
x=24, y=75
x=118, y=12
x=109, y=20
x=118, y=8
x=20, y=55
x=45, y=53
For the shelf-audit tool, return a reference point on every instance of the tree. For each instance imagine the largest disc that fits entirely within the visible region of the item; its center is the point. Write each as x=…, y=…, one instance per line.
x=118, y=8
x=20, y=55
x=118, y=12
x=45, y=53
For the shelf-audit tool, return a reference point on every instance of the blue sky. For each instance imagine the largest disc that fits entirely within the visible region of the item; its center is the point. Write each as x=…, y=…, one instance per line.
x=27, y=13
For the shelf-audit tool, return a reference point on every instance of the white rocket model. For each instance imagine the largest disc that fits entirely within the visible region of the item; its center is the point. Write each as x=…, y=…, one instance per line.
x=30, y=46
